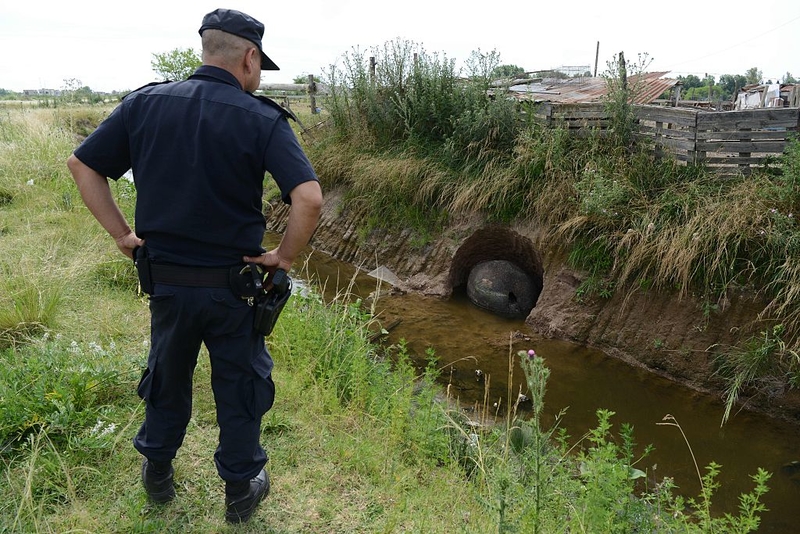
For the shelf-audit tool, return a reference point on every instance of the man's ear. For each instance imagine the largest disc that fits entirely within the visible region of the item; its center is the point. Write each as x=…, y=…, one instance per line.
x=249, y=59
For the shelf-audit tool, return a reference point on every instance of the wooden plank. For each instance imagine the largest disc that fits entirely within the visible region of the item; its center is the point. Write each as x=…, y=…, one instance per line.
x=672, y=145
x=756, y=119
x=776, y=147
x=586, y=106
x=586, y=114
x=733, y=124
x=745, y=135
x=678, y=144
x=676, y=116
x=676, y=134
x=735, y=160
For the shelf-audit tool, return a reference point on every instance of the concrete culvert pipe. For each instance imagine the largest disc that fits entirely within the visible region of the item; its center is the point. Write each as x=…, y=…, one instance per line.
x=501, y=287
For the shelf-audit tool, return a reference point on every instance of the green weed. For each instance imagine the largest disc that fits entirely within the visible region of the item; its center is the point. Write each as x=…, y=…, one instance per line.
x=757, y=365
x=27, y=308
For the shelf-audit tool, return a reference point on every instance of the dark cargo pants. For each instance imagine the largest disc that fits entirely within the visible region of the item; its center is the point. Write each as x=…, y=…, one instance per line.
x=181, y=318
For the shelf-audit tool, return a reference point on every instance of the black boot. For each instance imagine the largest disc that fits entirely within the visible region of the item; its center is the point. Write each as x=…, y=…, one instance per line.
x=157, y=480
x=242, y=498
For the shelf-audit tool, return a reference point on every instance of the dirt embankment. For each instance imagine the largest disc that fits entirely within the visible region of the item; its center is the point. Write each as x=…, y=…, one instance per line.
x=678, y=338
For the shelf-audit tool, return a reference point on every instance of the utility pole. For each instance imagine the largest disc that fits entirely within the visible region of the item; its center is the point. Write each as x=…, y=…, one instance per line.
x=596, y=56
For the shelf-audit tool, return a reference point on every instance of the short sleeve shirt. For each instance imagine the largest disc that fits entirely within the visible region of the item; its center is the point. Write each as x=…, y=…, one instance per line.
x=199, y=150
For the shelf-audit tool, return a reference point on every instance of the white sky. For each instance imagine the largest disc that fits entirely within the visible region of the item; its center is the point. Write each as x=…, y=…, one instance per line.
x=108, y=46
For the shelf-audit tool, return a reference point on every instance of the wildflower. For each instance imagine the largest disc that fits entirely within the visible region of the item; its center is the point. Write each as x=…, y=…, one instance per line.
x=29, y=182
x=100, y=429
x=531, y=354
x=650, y=227
x=96, y=428
x=773, y=210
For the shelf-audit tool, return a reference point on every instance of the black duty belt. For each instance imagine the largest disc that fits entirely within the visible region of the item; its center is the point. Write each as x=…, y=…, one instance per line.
x=181, y=275
x=245, y=280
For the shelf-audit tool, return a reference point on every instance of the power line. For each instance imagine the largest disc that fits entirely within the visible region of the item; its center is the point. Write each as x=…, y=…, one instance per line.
x=739, y=43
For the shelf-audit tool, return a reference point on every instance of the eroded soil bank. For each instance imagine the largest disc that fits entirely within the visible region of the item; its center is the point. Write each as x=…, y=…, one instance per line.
x=678, y=338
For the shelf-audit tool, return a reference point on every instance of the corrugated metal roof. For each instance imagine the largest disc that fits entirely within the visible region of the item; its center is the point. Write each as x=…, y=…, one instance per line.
x=587, y=89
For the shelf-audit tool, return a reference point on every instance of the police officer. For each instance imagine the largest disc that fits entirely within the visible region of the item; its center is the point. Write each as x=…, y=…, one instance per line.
x=199, y=150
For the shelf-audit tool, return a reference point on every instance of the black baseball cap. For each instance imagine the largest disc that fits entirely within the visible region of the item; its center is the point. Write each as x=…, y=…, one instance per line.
x=241, y=24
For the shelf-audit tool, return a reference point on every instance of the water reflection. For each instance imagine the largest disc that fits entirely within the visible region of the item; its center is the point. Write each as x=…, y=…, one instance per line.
x=473, y=346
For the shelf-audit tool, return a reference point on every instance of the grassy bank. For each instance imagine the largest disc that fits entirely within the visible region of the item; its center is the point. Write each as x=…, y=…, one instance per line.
x=359, y=440
x=417, y=145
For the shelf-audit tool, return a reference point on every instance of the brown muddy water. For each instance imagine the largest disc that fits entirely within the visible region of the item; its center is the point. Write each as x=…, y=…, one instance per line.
x=472, y=346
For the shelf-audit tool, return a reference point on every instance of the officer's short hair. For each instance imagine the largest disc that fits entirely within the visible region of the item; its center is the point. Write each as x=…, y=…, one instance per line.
x=224, y=46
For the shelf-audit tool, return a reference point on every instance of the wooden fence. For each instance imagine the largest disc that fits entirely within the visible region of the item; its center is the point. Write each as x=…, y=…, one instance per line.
x=291, y=91
x=725, y=141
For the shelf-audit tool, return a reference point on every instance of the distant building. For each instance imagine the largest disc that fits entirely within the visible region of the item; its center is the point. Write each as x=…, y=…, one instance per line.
x=41, y=92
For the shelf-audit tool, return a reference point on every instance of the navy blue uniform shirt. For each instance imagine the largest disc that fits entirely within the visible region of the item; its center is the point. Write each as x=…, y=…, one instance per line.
x=198, y=150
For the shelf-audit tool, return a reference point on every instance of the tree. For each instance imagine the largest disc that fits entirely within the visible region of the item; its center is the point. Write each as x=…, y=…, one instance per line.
x=789, y=78
x=303, y=78
x=732, y=83
x=753, y=75
x=507, y=71
x=177, y=64
x=690, y=81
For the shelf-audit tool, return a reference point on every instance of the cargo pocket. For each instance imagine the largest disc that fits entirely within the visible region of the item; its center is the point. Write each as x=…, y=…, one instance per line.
x=146, y=382
x=263, y=386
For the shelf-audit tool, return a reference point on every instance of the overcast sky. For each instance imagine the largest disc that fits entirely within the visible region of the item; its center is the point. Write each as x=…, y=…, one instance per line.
x=109, y=45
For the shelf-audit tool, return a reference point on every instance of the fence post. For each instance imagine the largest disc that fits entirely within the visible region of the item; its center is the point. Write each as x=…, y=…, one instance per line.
x=312, y=91
x=693, y=156
x=745, y=167
x=659, y=134
x=372, y=70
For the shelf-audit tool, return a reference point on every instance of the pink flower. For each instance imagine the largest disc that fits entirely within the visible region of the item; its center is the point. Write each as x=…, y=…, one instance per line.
x=531, y=353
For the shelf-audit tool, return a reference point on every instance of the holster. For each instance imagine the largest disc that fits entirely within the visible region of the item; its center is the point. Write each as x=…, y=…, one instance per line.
x=142, y=262
x=270, y=303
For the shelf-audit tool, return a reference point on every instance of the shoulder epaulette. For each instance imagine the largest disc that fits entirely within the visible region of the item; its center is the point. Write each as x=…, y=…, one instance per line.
x=147, y=85
x=286, y=112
